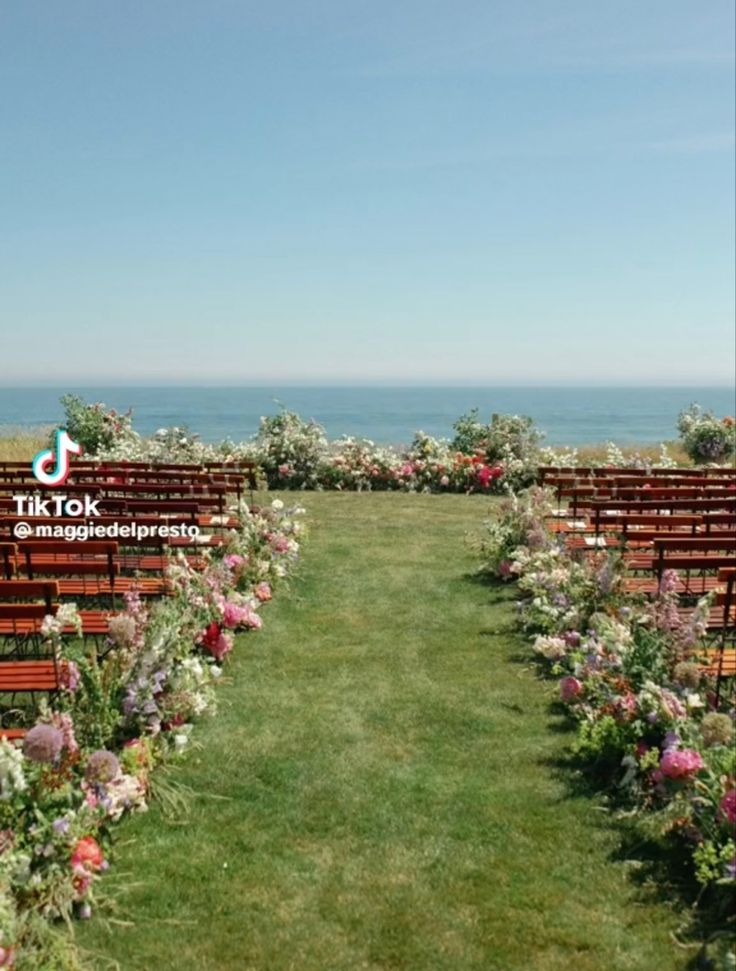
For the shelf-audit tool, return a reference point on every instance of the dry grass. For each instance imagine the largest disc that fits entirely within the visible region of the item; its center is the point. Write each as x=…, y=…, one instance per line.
x=592, y=454
x=19, y=444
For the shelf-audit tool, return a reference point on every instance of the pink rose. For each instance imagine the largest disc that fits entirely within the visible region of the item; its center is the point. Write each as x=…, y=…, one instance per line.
x=263, y=591
x=233, y=614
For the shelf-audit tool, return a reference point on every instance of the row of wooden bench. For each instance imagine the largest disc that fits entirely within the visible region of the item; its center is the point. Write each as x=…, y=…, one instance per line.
x=676, y=520
x=40, y=574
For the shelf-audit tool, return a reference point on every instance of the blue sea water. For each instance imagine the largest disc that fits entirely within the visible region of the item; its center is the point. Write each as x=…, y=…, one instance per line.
x=389, y=415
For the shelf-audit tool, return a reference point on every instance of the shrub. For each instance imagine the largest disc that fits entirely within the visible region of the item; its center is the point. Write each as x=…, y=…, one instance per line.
x=290, y=450
x=92, y=425
x=706, y=438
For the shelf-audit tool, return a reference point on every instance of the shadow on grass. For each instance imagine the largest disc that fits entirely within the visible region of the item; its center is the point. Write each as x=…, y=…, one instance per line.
x=660, y=871
x=659, y=868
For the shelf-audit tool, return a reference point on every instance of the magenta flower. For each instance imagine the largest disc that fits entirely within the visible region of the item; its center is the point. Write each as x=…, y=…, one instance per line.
x=680, y=763
x=485, y=474
x=570, y=688
x=217, y=643
x=727, y=807
x=504, y=569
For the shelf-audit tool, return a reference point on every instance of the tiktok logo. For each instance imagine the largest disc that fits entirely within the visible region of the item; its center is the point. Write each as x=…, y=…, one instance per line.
x=65, y=447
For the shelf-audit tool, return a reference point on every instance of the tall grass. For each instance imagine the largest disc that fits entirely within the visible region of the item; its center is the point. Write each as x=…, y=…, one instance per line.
x=592, y=454
x=21, y=444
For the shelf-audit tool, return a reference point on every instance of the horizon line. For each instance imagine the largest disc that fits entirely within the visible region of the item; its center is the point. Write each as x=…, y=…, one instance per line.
x=57, y=384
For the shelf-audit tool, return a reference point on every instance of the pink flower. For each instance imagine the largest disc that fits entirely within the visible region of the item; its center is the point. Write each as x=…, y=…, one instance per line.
x=7, y=957
x=233, y=614
x=626, y=706
x=680, y=763
x=284, y=470
x=570, y=688
x=445, y=481
x=504, y=569
x=727, y=807
x=407, y=468
x=68, y=678
x=234, y=562
x=251, y=619
x=263, y=591
x=280, y=544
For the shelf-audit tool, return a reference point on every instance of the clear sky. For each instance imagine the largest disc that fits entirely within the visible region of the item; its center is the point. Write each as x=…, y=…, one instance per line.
x=327, y=190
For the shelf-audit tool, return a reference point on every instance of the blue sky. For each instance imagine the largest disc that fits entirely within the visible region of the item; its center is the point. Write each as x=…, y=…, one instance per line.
x=415, y=191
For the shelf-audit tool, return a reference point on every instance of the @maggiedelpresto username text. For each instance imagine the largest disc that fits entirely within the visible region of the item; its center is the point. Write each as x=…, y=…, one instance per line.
x=80, y=532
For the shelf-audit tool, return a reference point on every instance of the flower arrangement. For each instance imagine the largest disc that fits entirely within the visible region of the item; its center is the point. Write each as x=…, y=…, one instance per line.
x=89, y=760
x=706, y=438
x=649, y=725
x=295, y=454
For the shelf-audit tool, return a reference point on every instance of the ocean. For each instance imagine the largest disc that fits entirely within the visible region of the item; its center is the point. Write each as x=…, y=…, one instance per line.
x=388, y=415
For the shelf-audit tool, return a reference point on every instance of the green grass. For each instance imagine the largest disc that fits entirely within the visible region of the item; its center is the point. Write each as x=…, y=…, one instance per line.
x=382, y=789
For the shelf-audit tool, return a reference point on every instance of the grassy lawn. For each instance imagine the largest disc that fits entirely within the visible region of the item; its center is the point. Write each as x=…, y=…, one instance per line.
x=380, y=789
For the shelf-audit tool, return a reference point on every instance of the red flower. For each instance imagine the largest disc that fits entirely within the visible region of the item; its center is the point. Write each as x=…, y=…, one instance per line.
x=217, y=643
x=87, y=855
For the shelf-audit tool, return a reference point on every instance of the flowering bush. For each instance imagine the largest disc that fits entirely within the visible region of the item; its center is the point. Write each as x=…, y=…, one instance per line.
x=627, y=672
x=705, y=438
x=290, y=450
x=518, y=524
x=509, y=441
x=296, y=454
x=93, y=426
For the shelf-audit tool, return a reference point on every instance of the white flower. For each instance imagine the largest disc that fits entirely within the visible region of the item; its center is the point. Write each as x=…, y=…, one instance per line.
x=180, y=741
x=277, y=505
x=693, y=702
x=12, y=778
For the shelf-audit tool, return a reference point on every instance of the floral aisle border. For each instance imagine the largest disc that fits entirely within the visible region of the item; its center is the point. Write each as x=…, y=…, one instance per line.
x=649, y=725
x=88, y=759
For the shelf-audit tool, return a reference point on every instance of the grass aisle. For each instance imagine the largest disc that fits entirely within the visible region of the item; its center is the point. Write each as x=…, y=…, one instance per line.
x=379, y=788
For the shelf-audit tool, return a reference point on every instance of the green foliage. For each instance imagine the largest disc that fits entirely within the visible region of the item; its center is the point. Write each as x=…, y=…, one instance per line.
x=602, y=743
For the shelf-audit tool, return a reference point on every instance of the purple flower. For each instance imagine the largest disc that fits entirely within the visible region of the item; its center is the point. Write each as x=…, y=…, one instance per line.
x=43, y=743
x=102, y=766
